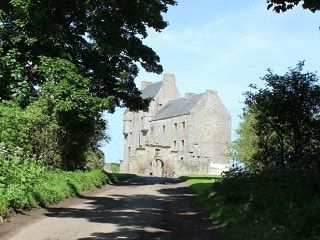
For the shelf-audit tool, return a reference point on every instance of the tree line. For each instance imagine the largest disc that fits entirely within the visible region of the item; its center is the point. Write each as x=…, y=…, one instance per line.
x=62, y=63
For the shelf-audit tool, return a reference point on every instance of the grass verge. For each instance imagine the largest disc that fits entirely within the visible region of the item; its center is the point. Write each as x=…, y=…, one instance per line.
x=50, y=187
x=264, y=206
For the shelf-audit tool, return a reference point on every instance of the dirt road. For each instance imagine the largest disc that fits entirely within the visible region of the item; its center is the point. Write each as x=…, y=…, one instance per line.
x=140, y=208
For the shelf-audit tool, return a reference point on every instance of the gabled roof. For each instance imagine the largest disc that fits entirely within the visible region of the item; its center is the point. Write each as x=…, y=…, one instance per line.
x=149, y=92
x=178, y=107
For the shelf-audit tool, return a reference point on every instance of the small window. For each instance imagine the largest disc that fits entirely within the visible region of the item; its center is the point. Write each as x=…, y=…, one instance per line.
x=160, y=105
x=176, y=126
x=182, y=143
x=157, y=152
x=130, y=134
x=152, y=130
x=175, y=145
x=141, y=119
x=164, y=128
x=183, y=125
x=181, y=158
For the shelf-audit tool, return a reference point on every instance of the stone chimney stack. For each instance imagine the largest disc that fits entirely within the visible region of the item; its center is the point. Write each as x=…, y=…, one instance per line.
x=144, y=84
x=209, y=91
x=188, y=94
x=169, y=79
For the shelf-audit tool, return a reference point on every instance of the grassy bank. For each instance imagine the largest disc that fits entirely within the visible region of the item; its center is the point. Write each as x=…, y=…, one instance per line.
x=267, y=206
x=28, y=190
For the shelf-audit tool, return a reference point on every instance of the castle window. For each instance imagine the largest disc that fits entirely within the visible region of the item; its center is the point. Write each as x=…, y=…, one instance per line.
x=174, y=145
x=183, y=125
x=164, y=128
x=176, y=126
x=157, y=152
x=181, y=158
x=152, y=130
x=182, y=143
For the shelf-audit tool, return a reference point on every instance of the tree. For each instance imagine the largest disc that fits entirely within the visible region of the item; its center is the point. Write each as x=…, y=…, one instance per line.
x=76, y=59
x=284, y=5
x=103, y=39
x=245, y=146
x=287, y=119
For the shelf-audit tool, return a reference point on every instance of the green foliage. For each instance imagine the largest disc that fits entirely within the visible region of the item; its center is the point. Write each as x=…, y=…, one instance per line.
x=15, y=126
x=94, y=159
x=115, y=167
x=25, y=183
x=72, y=63
x=245, y=147
x=287, y=119
x=18, y=176
x=73, y=107
x=58, y=185
x=269, y=205
x=103, y=39
x=284, y=5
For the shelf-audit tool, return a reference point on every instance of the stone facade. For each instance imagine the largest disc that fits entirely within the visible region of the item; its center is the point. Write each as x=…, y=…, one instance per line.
x=178, y=135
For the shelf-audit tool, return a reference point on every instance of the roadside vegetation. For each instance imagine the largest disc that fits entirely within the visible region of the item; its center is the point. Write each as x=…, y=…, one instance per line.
x=61, y=68
x=276, y=195
x=115, y=167
x=266, y=206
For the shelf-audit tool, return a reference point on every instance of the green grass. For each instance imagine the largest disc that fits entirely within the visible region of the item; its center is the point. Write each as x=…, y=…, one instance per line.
x=266, y=206
x=49, y=187
x=115, y=167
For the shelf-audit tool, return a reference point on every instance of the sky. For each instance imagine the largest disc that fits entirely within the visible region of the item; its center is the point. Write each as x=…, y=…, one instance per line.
x=225, y=45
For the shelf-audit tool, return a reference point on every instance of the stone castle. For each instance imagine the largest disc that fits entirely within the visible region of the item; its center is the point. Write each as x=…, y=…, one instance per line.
x=177, y=135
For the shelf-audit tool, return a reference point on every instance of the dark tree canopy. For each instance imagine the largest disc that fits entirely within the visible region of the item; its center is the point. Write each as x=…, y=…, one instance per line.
x=103, y=39
x=287, y=119
x=71, y=60
x=284, y=5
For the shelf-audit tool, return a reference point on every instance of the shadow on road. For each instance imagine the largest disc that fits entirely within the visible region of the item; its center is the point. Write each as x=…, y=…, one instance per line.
x=145, y=181
x=170, y=214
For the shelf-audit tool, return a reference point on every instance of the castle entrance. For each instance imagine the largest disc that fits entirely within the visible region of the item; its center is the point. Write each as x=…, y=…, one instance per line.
x=157, y=167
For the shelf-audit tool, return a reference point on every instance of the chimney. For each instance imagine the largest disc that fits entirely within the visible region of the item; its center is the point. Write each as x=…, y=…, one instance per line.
x=188, y=94
x=144, y=84
x=169, y=79
x=209, y=91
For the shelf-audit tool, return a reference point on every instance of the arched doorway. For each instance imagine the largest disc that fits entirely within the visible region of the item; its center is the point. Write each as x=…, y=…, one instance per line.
x=158, y=167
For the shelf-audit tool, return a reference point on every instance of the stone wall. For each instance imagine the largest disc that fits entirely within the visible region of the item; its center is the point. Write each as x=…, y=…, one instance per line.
x=197, y=142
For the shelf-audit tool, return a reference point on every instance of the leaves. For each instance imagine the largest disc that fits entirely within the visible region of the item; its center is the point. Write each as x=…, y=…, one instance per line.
x=285, y=132
x=103, y=39
x=284, y=5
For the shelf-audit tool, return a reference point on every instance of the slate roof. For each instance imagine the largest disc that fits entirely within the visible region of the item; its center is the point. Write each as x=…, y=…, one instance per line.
x=178, y=107
x=149, y=92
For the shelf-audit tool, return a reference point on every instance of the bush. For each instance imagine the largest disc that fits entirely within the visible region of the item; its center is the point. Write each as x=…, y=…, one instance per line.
x=115, y=167
x=18, y=178
x=58, y=185
x=25, y=183
x=269, y=205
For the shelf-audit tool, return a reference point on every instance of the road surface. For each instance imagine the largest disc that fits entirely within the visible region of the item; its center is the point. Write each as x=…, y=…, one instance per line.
x=144, y=208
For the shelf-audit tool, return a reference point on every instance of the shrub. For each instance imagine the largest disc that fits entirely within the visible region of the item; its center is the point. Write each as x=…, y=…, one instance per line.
x=269, y=205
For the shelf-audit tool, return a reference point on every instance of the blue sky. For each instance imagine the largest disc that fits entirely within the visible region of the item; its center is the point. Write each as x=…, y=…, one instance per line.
x=225, y=45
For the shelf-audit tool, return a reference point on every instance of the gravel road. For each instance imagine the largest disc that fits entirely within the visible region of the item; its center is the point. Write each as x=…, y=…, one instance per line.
x=139, y=208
